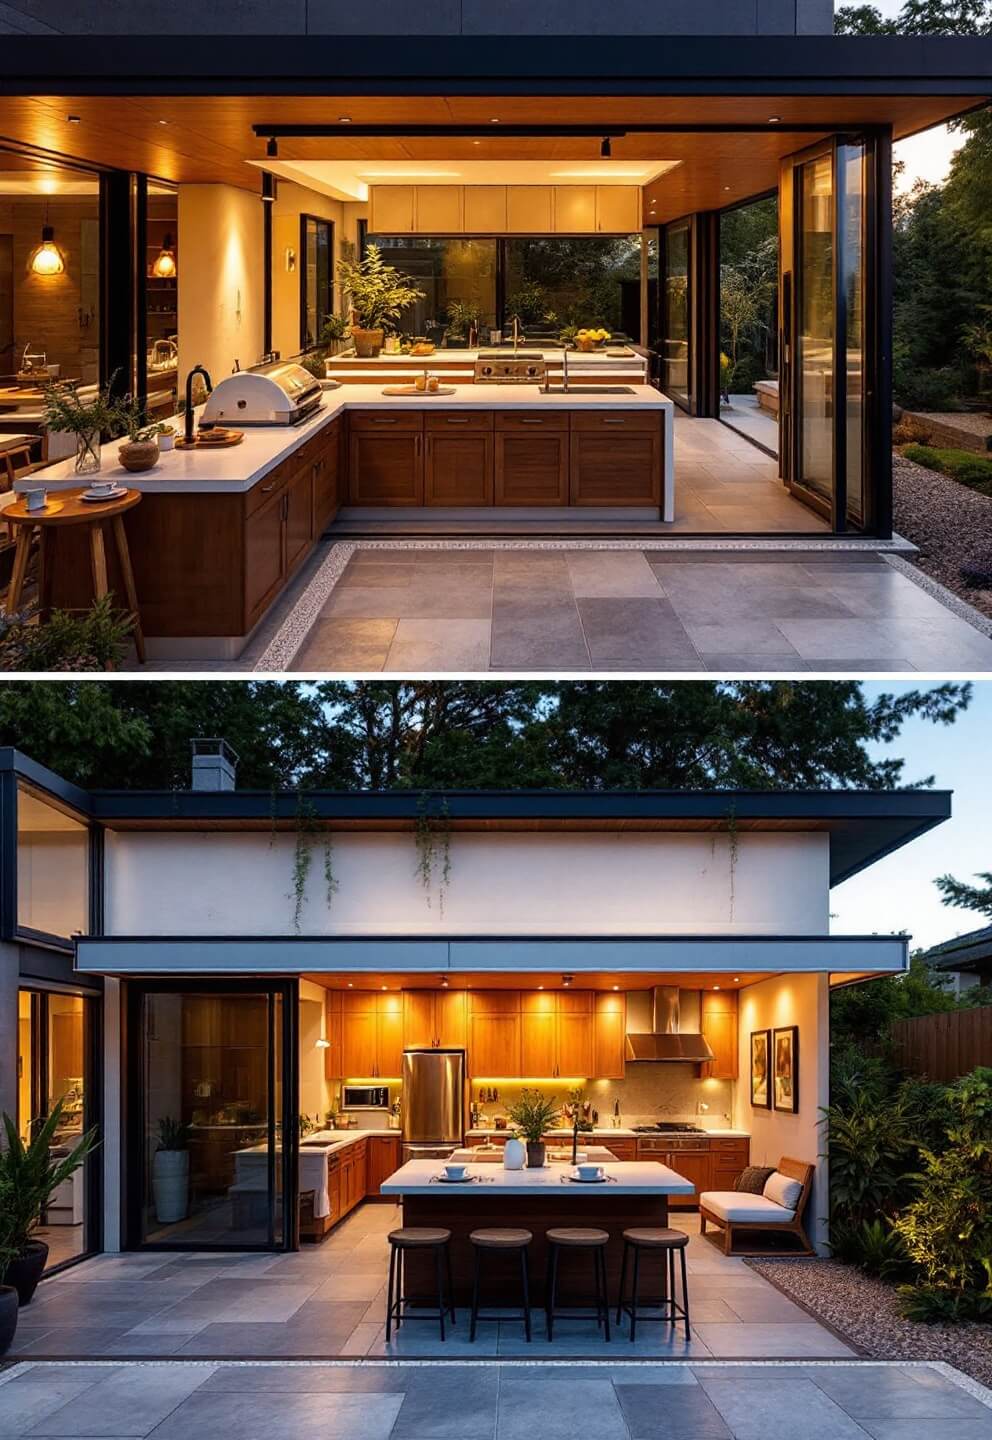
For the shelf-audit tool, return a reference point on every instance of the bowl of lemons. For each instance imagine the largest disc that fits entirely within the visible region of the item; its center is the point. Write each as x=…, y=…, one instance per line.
x=590, y=339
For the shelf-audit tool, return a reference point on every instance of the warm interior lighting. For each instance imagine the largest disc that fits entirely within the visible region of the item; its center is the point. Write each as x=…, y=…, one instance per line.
x=322, y=1044
x=164, y=265
x=566, y=980
x=444, y=982
x=47, y=259
x=616, y=987
x=344, y=119
x=716, y=987
x=73, y=119
x=774, y=119
x=525, y=1082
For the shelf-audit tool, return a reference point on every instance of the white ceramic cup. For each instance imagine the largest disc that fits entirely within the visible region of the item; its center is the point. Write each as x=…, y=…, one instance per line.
x=103, y=487
x=166, y=442
x=589, y=1172
x=36, y=499
x=454, y=1172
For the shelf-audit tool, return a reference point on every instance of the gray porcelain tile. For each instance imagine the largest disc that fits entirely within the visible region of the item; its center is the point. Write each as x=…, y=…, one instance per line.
x=130, y=1402
x=638, y=632
x=259, y=1415
x=573, y=1405
x=736, y=665
x=430, y=646
x=316, y=1379
x=551, y=639
x=333, y=644
x=770, y=1341
x=950, y=1429
x=894, y=1395
x=770, y=1407
x=29, y=1401
x=670, y=1413
x=448, y=1405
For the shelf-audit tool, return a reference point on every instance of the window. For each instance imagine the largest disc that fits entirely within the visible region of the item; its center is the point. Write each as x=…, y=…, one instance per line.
x=52, y=868
x=451, y=273
x=316, y=283
x=676, y=300
x=553, y=282
x=162, y=299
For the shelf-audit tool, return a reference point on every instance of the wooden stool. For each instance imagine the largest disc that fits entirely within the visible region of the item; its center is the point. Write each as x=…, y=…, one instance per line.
x=577, y=1238
x=505, y=1240
x=664, y=1243
x=414, y=1238
x=66, y=508
x=14, y=448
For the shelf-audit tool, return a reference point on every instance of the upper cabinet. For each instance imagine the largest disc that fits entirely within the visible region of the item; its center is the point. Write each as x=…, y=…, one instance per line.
x=372, y=1034
x=718, y=1023
x=435, y=1020
x=494, y=1032
x=504, y=209
x=609, y=1030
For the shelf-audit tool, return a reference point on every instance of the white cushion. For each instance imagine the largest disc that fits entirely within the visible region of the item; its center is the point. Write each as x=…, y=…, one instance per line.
x=782, y=1190
x=739, y=1205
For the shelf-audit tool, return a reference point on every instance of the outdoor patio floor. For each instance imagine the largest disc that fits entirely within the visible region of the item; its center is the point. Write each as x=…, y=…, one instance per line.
x=328, y=1301
x=511, y=1401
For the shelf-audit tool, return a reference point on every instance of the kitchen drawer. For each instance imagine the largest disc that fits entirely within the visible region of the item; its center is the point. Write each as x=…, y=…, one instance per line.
x=458, y=420
x=389, y=421
x=531, y=420
x=623, y=1149
x=613, y=421
x=268, y=486
x=727, y=1143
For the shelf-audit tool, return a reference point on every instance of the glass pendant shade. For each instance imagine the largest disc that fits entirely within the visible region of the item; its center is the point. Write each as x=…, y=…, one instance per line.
x=47, y=259
x=164, y=266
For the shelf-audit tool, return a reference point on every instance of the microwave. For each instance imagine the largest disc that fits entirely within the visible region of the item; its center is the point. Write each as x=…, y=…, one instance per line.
x=365, y=1097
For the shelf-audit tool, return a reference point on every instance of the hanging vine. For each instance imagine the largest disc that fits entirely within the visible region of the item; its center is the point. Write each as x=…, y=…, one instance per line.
x=733, y=836
x=432, y=836
x=330, y=879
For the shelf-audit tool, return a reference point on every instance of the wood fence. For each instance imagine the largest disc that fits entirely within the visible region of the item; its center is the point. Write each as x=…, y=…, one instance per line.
x=944, y=1046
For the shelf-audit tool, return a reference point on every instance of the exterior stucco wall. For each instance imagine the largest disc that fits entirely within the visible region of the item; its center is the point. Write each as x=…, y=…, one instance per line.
x=417, y=17
x=210, y=883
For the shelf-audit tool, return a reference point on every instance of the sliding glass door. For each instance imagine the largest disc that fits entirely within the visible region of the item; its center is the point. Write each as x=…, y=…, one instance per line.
x=676, y=318
x=212, y=1135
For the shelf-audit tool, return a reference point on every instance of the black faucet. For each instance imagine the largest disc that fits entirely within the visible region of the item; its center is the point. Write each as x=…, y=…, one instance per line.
x=196, y=370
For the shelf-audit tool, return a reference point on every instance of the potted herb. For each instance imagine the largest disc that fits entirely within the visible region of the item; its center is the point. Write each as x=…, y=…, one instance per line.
x=140, y=449
x=8, y=1295
x=379, y=293
x=65, y=411
x=534, y=1115
x=170, y=1170
x=463, y=323
x=29, y=1176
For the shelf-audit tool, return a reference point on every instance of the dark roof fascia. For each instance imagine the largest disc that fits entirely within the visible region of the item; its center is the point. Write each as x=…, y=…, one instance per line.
x=41, y=778
x=864, y=825
x=962, y=951
x=496, y=64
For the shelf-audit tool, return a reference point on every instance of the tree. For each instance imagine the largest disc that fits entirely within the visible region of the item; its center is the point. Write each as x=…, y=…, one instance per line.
x=862, y=20
x=918, y=17
x=595, y=735
x=967, y=897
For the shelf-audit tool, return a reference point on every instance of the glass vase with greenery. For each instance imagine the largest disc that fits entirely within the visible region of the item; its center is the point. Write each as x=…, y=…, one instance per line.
x=379, y=293
x=30, y=1174
x=534, y=1115
x=86, y=419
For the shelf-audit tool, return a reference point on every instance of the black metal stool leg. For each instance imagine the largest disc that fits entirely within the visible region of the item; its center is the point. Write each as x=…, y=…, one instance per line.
x=440, y=1287
x=389, y=1294
x=623, y=1280
x=475, y=1294
x=526, y=1287
x=552, y=1290
x=451, y=1288
x=636, y=1290
x=601, y=1274
x=685, y=1292
x=671, y=1288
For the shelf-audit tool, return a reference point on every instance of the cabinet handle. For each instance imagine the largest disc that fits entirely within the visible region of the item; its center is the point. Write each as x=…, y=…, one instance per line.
x=417, y=447
x=383, y=419
x=531, y=420
x=456, y=419
x=266, y=489
x=613, y=420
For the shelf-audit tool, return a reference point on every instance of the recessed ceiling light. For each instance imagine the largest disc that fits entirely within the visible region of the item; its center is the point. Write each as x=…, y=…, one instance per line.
x=540, y=987
x=351, y=985
x=726, y=187
x=774, y=119
x=616, y=987
x=163, y=122
x=385, y=987
x=272, y=148
x=494, y=120
x=476, y=142
x=344, y=119
x=737, y=979
x=73, y=119
x=715, y=987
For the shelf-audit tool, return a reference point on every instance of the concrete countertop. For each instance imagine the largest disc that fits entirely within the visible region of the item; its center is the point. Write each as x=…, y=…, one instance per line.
x=239, y=468
x=642, y=1177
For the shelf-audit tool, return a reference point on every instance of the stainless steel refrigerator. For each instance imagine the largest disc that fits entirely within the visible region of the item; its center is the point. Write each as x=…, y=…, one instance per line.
x=433, y=1101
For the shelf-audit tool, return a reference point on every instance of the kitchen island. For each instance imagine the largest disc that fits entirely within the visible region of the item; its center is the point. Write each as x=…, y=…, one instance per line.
x=220, y=533
x=634, y=1194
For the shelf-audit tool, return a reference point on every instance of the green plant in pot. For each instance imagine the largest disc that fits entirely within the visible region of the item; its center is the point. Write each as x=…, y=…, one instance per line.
x=86, y=419
x=9, y=1299
x=379, y=293
x=170, y=1171
x=534, y=1115
x=29, y=1176
x=140, y=450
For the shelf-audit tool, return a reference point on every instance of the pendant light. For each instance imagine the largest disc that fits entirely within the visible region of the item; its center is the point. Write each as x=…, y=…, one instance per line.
x=48, y=258
x=164, y=264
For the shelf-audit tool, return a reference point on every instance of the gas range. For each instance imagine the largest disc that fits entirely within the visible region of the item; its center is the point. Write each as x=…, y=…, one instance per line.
x=669, y=1127
x=669, y=1136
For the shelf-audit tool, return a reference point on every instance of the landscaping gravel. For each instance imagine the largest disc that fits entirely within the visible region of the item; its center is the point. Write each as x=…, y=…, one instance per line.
x=863, y=1310
x=950, y=523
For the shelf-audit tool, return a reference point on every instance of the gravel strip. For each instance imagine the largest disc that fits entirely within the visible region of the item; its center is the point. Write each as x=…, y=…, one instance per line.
x=947, y=521
x=863, y=1309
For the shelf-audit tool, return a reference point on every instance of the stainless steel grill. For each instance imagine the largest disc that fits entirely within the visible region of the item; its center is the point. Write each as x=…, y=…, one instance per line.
x=513, y=370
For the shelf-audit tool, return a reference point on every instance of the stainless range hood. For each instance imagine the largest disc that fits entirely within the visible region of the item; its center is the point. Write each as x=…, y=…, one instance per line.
x=665, y=1040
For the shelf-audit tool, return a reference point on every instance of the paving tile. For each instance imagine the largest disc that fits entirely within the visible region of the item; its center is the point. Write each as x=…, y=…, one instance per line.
x=448, y=1405
x=858, y=665
x=419, y=1340
x=261, y=1415
x=131, y=1402
x=416, y=601
x=333, y=644
x=362, y=570
x=365, y=1285
x=557, y=1407
x=765, y=1308
x=773, y=1341
x=669, y=1412
x=637, y=632
x=30, y=1400
x=889, y=1394
x=439, y=645
x=745, y=637
x=550, y=639
x=951, y=1429
x=737, y=665
x=600, y=573
x=641, y=1374
x=71, y=1341
x=244, y=1301
x=944, y=643
x=767, y=1406
x=316, y=1379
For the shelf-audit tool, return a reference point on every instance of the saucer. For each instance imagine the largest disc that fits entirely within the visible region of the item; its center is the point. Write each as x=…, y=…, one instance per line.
x=452, y=1180
x=97, y=496
x=592, y=1179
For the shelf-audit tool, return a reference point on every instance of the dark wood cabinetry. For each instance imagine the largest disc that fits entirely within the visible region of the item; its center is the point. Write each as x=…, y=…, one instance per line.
x=711, y=1162
x=383, y=1159
x=615, y=458
x=531, y=458
x=327, y=479
x=458, y=458
x=386, y=458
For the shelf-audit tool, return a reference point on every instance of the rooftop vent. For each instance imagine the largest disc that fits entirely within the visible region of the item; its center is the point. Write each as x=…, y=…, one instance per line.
x=214, y=765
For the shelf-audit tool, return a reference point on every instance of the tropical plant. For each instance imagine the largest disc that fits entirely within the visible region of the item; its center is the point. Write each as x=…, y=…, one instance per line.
x=335, y=327
x=463, y=316
x=173, y=1134
x=77, y=640
x=379, y=292
x=870, y=1151
x=30, y=1175
x=947, y=1229
x=534, y=1114
x=976, y=338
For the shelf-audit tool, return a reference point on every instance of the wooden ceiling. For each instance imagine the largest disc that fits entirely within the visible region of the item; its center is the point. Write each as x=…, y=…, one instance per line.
x=208, y=139
x=532, y=980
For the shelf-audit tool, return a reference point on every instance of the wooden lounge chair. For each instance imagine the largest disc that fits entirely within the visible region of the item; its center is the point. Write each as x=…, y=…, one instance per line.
x=739, y=1213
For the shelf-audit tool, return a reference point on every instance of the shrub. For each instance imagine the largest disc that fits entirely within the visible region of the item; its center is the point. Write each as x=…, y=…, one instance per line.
x=947, y=1229
x=972, y=470
x=921, y=389
x=870, y=1150
x=910, y=430
x=94, y=639
x=874, y=1246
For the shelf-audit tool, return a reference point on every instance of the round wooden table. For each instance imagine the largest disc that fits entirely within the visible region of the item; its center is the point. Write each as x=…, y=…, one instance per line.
x=64, y=507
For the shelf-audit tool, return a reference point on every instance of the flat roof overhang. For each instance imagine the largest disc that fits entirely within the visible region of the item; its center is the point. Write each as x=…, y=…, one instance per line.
x=481, y=959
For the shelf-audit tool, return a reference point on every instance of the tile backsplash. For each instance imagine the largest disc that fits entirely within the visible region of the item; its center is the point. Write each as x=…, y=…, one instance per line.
x=649, y=1093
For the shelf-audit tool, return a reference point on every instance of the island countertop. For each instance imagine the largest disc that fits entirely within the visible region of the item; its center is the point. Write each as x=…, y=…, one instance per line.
x=641, y=1177
x=241, y=467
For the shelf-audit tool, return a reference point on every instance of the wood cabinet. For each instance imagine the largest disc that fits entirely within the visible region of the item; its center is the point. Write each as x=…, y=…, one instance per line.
x=615, y=458
x=386, y=464
x=382, y=1159
x=333, y=1056
x=575, y=209
x=351, y=1176
x=575, y=1034
x=625, y=1149
x=435, y=1019
x=372, y=1040
x=326, y=479
x=529, y=209
x=504, y=209
x=438, y=210
x=538, y=1034
x=494, y=1032
x=609, y=1029
x=728, y=1157
x=694, y=1166
x=531, y=458
x=718, y=1023
x=458, y=458
x=618, y=209
x=484, y=209
x=710, y=1162
x=391, y=209
x=298, y=518
x=264, y=560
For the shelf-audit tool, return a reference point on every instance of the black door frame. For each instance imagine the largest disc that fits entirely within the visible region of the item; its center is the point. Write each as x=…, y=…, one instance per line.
x=133, y=1179
x=319, y=220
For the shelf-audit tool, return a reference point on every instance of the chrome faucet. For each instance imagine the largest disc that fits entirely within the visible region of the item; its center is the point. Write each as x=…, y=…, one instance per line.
x=564, y=366
x=517, y=337
x=196, y=370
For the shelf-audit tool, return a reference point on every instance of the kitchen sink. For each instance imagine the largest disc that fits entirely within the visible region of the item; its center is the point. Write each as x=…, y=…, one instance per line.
x=591, y=390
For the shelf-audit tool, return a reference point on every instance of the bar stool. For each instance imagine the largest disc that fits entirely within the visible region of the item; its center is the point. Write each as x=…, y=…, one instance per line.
x=568, y=1238
x=507, y=1241
x=663, y=1242
x=413, y=1238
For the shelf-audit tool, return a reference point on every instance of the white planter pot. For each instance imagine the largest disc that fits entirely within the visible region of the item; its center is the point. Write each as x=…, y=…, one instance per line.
x=170, y=1182
x=514, y=1154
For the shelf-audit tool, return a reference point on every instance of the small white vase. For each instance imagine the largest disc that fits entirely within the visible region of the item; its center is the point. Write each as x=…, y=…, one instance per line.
x=514, y=1154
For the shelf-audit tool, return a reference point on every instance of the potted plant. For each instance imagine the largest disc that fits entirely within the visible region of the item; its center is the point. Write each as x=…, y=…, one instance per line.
x=87, y=420
x=9, y=1300
x=140, y=449
x=379, y=292
x=463, y=322
x=533, y=1114
x=334, y=330
x=29, y=1176
x=170, y=1170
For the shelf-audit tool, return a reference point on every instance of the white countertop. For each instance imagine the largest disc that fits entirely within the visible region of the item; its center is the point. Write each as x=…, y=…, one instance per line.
x=641, y=1177
x=331, y=1140
x=603, y=1132
x=553, y=354
x=240, y=467
x=481, y=1155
